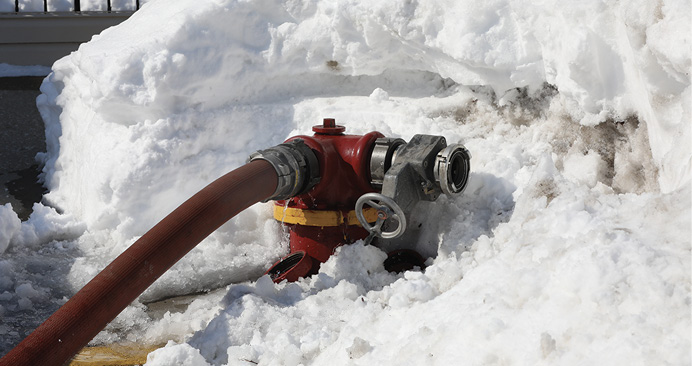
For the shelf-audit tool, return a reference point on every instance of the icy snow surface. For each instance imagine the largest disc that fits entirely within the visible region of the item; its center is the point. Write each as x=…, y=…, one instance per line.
x=571, y=244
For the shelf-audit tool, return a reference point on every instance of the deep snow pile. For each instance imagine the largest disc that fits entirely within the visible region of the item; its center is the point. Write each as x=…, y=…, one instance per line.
x=571, y=243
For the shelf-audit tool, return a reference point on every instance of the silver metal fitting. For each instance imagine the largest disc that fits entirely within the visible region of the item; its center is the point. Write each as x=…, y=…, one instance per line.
x=381, y=159
x=296, y=166
x=452, y=167
x=407, y=173
x=410, y=178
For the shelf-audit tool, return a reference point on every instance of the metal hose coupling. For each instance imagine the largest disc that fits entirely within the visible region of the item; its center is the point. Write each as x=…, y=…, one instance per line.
x=296, y=166
x=407, y=173
x=424, y=154
x=451, y=169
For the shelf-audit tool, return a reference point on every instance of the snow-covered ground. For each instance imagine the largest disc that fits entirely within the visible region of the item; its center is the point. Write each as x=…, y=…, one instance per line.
x=571, y=244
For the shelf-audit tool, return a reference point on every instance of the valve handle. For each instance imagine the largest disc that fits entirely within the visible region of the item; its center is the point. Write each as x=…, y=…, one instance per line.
x=386, y=208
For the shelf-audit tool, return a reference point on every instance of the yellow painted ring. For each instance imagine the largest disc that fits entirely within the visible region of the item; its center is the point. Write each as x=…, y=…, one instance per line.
x=292, y=215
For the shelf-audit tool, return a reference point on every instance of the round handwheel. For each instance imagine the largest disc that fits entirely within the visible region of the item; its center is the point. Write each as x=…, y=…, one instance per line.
x=386, y=209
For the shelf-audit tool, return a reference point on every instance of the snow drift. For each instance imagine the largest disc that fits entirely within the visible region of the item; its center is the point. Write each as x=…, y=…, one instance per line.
x=570, y=245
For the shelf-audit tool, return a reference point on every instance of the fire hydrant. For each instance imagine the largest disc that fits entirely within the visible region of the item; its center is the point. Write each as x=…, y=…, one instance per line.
x=337, y=189
x=330, y=189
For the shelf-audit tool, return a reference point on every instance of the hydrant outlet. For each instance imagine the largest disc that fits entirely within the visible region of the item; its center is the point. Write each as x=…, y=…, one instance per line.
x=296, y=165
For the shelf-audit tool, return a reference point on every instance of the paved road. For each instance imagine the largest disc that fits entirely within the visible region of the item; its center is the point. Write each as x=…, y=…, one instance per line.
x=21, y=138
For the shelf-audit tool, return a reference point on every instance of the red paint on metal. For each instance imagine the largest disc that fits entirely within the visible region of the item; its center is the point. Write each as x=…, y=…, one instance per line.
x=292, y=267
x=344, y=177
x=320, y=242
x=329, y=127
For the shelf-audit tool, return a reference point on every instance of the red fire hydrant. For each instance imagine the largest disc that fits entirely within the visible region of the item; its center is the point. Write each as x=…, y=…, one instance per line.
x=339, y=202
x=330, y=189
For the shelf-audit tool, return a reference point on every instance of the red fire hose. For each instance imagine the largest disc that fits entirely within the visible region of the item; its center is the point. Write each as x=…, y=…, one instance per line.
x=71, y=327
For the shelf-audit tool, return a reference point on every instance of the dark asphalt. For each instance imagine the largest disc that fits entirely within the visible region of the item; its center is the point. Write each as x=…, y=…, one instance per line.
x=21, y=138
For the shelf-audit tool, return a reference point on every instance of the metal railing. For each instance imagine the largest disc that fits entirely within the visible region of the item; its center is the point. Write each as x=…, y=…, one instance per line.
x=39, y=32
x=76, y=6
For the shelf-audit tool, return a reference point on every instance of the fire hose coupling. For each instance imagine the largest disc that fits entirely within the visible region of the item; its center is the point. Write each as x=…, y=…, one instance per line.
x=383, y=154
x=407, y=173
x=452, y=166
x=296, y=165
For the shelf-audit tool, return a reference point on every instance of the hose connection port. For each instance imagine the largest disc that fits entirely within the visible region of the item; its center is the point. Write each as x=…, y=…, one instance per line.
x=452, y=167
x=295, y=164
x=383, y=154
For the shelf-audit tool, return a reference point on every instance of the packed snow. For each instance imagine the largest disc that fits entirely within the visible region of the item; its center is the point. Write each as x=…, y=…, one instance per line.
x=571, y=244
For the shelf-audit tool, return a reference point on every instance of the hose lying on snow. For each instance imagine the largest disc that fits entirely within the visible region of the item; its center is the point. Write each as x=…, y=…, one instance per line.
x=72, y=326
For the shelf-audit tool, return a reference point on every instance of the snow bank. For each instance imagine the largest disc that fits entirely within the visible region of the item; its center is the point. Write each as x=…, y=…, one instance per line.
x=145, y=115
x=44, y=225
x=571, y=244
x=9, y=226
x=607, y=61
x=35, y=256
x=590, y=292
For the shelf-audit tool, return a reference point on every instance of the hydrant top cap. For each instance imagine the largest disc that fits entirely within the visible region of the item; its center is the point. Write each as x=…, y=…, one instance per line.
x=329, y=127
